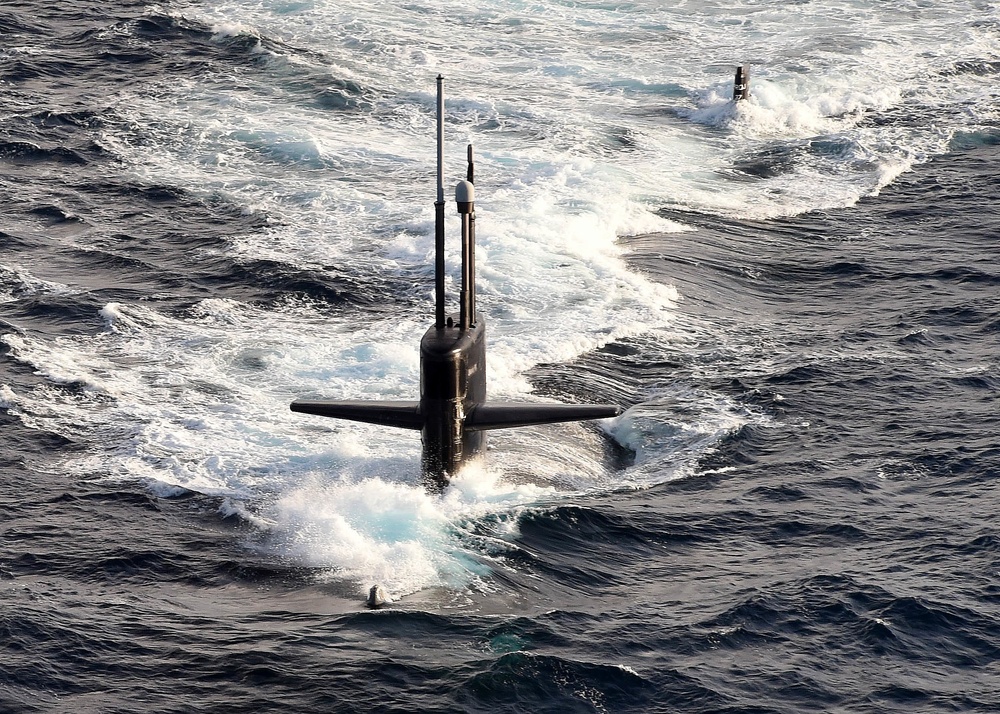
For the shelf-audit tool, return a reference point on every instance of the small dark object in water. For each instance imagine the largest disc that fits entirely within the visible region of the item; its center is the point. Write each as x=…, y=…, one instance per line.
x=377, y=597
x=741, y=86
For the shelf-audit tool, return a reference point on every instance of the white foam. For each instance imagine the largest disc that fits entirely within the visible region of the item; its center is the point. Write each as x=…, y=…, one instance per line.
x=378, y=530
x=8, y=399
x=225, y=30
x=61, y=364
x=17, y=283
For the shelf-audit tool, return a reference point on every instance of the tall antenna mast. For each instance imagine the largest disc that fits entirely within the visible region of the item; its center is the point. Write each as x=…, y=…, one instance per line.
x=439, y=213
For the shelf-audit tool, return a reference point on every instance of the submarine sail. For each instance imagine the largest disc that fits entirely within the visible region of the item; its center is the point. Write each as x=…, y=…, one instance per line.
x=452, y=413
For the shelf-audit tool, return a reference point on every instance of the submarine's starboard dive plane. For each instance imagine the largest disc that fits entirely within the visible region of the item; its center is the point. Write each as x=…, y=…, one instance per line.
x=453, y=414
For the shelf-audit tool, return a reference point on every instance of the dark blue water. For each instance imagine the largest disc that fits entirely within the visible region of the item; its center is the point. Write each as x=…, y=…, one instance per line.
x=841, y=553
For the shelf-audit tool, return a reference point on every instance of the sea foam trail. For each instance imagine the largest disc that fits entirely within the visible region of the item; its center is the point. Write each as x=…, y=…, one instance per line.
x=876, y=89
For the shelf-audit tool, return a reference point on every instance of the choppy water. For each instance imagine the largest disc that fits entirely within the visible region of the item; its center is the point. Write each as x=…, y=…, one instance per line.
x=210, y=209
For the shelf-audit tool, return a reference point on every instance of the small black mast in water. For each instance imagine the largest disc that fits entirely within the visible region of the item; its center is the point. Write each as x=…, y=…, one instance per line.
x=741, y=83
x=452, y=413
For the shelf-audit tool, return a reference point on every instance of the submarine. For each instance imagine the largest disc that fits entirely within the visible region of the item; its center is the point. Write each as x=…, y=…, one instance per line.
x=453, y=413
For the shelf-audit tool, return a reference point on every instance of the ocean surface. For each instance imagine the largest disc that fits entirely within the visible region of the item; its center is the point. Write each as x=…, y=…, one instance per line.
x=211, y=208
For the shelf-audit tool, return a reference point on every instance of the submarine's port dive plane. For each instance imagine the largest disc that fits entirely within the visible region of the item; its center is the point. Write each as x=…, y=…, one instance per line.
x=453, y=414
